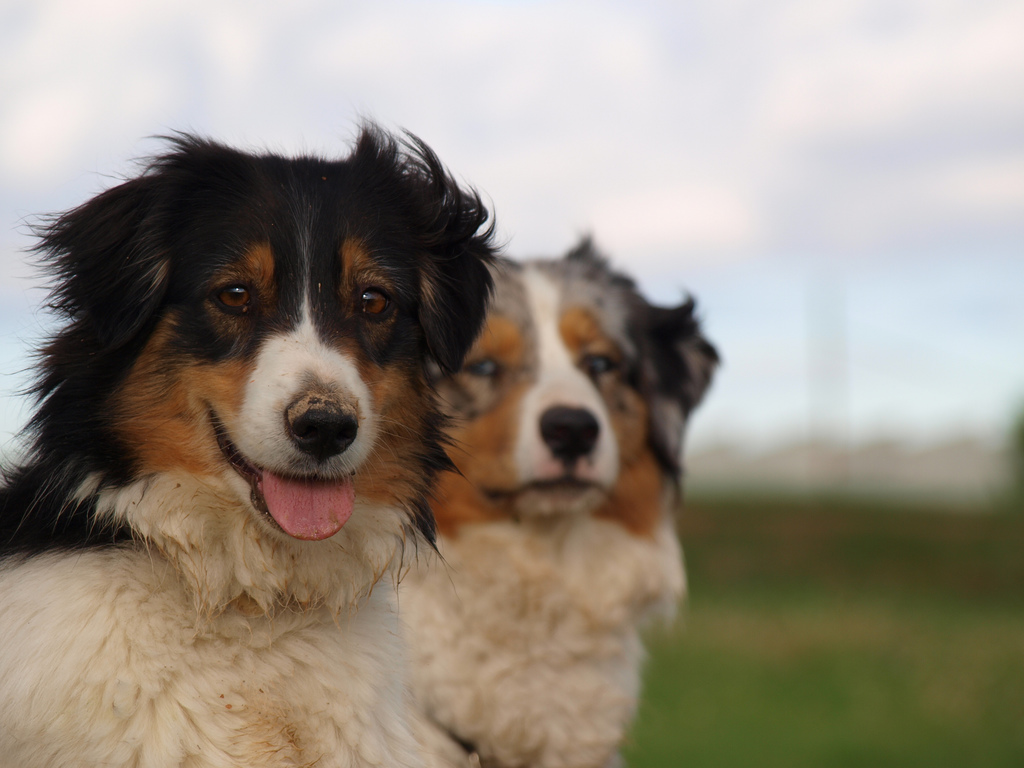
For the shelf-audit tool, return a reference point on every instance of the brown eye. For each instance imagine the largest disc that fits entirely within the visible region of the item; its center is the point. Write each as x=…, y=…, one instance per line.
x=235, y=299
x=375, y=301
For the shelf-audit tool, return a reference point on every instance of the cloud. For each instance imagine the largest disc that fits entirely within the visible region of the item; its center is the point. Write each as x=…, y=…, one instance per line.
x=706, y=218
x=873, y=105
x=716, y=128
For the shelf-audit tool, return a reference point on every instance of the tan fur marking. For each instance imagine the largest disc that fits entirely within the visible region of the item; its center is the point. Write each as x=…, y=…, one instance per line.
x=353, y=255
x=162, y=406
x=359, y=269
x=500, y=340
x=582, y=334
x=255, y=268
x=259, y=262
x=483, y=452
x=391, y=475
x=457, y=502
x=484, y=447
x=636, y=500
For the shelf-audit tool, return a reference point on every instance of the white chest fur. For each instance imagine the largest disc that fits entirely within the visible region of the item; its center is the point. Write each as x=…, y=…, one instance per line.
x=106, y=663
x=528, y=645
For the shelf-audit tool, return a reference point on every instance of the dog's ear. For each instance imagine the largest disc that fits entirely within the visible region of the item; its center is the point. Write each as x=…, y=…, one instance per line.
x=453, y=303
x=456, y=281
x=110, y=271
x=677, y=366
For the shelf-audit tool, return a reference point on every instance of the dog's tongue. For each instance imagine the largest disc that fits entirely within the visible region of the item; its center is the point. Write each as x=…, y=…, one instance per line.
x=308, y=509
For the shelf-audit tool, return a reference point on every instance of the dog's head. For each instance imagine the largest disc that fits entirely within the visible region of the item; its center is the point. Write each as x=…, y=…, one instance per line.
x=574, y=397
x=263, y=326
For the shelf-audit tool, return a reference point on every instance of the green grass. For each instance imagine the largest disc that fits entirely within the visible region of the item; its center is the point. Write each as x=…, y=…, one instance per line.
x=840, y=635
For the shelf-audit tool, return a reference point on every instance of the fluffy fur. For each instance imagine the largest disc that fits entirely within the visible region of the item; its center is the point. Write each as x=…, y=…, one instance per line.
x=235, y=442
x=558, y=537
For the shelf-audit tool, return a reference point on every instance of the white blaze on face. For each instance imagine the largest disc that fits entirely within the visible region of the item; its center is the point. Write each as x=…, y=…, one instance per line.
x=559, y=383
x=285, y=367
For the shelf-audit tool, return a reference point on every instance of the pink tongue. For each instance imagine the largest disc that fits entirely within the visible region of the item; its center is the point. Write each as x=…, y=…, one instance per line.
x=308, y=509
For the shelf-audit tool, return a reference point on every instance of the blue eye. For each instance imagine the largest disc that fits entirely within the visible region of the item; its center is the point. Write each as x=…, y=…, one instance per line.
x=595, y=365
x=484, y=368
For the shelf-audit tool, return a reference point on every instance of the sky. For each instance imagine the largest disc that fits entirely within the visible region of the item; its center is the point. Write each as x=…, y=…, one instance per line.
x=840, y=184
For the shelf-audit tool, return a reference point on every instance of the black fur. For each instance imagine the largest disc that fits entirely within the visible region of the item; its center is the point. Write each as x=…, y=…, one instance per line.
x=683, y=360
x=678, y=363
x=147, y=249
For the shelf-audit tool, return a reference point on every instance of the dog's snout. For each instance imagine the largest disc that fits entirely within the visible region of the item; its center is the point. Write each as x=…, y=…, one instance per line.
x=321, y=427
x=569, y=432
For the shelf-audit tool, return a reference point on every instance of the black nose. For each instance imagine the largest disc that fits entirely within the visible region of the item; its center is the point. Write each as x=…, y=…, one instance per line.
x=321, y=430
x=569, y=432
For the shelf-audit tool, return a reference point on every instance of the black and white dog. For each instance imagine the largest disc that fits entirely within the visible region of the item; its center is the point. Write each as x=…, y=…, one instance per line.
x=235, y=442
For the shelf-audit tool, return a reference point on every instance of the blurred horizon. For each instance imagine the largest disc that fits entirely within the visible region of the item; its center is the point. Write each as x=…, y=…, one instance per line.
x=840, y=186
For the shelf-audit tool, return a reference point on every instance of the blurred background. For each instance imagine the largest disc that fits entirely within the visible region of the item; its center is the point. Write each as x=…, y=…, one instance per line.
x=841, y=187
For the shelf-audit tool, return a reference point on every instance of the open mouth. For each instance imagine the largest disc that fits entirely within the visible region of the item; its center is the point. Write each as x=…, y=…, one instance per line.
x=305, y=508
